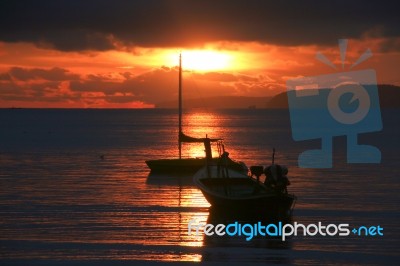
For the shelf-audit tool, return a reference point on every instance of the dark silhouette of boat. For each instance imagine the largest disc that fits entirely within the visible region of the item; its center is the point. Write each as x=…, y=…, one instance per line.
x=232, y=191
x=188, y=165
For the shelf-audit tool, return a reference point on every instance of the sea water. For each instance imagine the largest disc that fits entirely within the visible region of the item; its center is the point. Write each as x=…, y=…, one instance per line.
x=74, y=188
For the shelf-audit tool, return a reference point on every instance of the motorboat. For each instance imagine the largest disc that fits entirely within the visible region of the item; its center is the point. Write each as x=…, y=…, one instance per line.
x=232, y=191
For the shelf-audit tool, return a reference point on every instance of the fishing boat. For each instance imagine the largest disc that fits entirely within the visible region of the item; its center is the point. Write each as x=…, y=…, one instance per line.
x=232, y=191
x=188, y=165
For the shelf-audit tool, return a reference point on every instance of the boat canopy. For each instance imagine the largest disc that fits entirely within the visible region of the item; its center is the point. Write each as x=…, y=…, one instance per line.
x=185, y=138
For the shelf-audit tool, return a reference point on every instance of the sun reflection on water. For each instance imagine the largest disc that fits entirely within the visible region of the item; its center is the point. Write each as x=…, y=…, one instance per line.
x=61, y=200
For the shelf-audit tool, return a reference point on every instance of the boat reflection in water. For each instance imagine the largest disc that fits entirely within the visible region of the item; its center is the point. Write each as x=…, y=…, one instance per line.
x=191, y=206
x=237, y=248
x=62, y=201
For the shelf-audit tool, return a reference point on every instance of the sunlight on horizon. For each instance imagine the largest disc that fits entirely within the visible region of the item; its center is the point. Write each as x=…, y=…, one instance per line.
x=201, y=60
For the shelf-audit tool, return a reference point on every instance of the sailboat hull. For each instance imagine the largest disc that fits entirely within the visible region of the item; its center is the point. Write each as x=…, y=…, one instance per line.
x=188, y=165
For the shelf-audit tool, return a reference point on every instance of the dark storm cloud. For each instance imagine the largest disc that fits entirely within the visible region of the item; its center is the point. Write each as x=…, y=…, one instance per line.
x=54, y=74
x=155, y=86
x=5, y=76
x=10, y=89
x=102, y=25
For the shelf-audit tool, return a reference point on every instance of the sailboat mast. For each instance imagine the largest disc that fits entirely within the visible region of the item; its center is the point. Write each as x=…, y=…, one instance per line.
x=180, y=105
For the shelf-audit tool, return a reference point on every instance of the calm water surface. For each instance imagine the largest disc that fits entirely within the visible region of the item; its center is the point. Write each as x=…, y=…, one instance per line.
x=74, y=186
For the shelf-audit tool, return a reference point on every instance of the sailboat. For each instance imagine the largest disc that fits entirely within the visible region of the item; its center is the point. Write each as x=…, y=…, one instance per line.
x=189, y=165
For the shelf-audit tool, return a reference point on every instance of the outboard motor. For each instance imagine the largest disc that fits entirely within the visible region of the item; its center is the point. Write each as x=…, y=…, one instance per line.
x=257, y=170
x=276, y=177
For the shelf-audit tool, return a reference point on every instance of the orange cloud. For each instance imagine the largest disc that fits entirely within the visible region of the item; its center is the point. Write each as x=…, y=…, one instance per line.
x=35, y=77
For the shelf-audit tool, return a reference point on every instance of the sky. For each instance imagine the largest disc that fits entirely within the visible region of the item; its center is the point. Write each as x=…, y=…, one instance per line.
x=124, y=54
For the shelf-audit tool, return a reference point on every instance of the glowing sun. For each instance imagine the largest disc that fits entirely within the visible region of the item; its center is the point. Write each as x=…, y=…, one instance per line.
x=203, y=60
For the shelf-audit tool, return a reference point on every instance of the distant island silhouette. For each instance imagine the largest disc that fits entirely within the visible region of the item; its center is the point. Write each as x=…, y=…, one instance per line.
x=389, y=97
